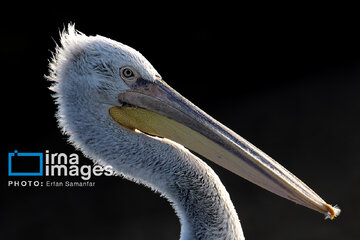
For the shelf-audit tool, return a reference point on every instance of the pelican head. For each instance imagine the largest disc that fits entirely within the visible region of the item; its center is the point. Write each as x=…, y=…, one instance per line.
x=101, y=82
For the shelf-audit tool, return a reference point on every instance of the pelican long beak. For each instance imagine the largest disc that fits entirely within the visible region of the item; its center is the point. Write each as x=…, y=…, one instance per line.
x=154, y=107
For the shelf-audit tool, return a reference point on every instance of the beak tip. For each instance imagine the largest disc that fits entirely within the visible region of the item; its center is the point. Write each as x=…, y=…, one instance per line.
x=332, y=211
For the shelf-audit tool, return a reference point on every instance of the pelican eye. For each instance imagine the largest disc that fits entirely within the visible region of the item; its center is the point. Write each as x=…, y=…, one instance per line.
x=127, y=73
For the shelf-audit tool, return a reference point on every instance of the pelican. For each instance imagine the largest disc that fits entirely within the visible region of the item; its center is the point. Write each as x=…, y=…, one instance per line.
x=116, y=108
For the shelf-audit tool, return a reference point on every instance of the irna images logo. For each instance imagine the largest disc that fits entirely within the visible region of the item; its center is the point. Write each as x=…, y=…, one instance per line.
x=53, y=164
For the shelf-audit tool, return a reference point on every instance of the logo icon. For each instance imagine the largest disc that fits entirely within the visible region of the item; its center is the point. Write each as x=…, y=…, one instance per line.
x=25, y=164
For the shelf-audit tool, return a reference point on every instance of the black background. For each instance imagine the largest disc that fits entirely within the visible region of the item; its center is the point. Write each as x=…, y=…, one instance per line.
x=284, y=77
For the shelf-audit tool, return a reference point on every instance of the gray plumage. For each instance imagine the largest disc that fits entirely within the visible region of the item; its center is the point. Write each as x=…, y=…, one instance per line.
x=85, y=75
